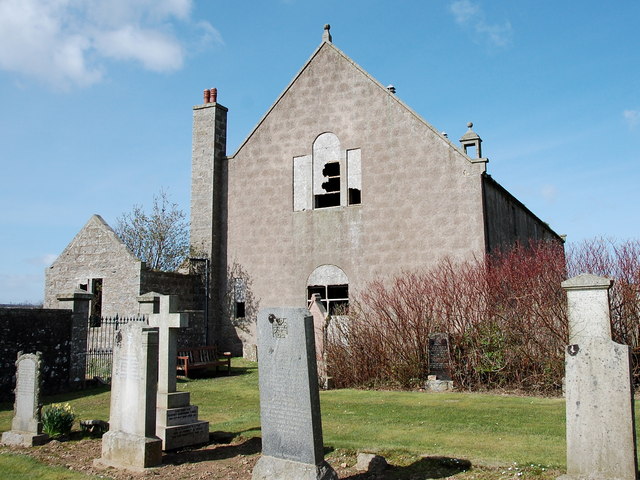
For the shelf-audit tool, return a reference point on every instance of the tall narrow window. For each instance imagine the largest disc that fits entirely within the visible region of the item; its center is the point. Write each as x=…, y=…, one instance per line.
x=95, y=317
x=239, y=297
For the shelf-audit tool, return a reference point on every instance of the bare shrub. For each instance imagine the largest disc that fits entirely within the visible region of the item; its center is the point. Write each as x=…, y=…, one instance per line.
x=505, y=315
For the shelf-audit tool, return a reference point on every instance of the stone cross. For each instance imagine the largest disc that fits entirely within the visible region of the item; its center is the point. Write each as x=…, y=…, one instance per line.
x=131, y=442
x=289, y=398
x=26, y=428
x=168, y=320
x=177, y=423
x=601, y=440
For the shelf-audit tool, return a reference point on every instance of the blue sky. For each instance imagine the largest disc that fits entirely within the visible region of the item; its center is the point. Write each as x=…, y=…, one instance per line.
x=96, y=97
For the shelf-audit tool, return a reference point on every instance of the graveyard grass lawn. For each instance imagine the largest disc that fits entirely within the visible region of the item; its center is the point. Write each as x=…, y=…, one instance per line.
x=420, y=434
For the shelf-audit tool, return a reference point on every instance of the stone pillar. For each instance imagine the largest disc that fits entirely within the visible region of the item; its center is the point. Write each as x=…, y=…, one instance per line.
x=177, y=423
x=319, y=314
x=130, y=442
x=601, y=441
x=208, y=187
x=26, y=427
x=290, y=418
x=79, y=302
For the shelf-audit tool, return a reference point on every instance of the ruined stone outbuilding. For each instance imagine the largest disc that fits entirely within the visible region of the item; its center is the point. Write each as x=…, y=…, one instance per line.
x=98, y=262
x=338, y=184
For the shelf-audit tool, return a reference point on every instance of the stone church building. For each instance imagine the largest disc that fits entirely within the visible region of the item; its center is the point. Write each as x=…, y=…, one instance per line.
x=338, y=184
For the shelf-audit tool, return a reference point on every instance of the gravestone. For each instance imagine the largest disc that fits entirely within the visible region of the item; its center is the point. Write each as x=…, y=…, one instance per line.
x=439, y=377
x=601, y=440
x=177, y=423
x=26, y=427
x=292, y=447
x=131, y=442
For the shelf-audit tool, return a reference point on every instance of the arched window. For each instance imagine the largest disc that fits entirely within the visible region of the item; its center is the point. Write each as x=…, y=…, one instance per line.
x=332, y=284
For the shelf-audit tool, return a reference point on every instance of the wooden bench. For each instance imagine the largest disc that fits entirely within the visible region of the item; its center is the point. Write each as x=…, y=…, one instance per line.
x=201, y=358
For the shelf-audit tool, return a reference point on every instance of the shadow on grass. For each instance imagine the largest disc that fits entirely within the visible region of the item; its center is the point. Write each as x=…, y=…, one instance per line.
x=426, y=467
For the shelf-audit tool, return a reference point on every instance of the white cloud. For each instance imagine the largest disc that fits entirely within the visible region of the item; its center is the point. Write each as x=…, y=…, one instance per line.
x=43, y=260
x=632, y=117
x=155, y=50
x=470, y=15
x=66, y=42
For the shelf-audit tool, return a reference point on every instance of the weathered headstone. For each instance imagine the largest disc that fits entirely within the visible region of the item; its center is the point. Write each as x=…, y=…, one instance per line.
x=601, y=440
x=177, y=422
x=292, y=447
x=26, y=427
x=131, y=442
x=439, y=377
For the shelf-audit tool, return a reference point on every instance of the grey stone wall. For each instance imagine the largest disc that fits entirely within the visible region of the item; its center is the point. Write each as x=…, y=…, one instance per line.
x=35, y=330
x=509, y=221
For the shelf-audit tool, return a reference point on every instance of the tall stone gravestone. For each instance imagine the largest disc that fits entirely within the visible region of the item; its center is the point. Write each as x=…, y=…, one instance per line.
x=26, y=428
x=601, y=440
x=131, y=442
x=292, y=447
x=177, y=422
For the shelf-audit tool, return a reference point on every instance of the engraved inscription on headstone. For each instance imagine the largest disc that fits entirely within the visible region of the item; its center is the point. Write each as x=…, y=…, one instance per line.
x=439, y=356
x=289, y=398
x=279, y=327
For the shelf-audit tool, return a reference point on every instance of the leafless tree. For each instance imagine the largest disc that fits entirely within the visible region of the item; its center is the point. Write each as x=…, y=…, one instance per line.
x=160, y=238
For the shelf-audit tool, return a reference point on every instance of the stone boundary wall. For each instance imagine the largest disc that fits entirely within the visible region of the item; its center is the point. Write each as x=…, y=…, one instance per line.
x=31, y=330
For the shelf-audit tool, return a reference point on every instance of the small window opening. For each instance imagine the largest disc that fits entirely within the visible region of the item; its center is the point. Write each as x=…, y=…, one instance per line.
x=83, y=286
x=240, y=310
x=470, y=150
x=354, y=196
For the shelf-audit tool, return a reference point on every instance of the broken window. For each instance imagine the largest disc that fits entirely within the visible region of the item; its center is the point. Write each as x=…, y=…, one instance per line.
x=327, y=156
x=335, y=298
x=329, y=177
x=354, y=176
x=331, y=283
